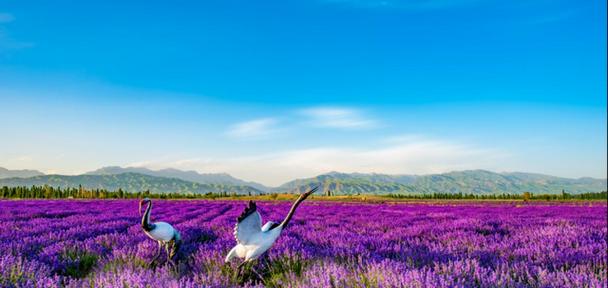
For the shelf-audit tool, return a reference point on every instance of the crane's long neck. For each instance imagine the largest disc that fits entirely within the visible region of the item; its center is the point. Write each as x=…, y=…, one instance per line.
x=145, y=220
x=291, y=212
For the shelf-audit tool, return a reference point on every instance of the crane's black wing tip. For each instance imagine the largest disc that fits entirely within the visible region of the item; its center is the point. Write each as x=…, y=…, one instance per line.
x=251, y=207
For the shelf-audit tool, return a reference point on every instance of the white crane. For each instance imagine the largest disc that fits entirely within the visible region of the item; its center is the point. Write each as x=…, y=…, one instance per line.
x=253, y=239
x=162, y=232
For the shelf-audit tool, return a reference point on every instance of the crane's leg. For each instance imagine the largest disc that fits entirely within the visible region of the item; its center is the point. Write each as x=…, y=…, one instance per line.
x=258, y=275
x=175, y=245
x=172, y=247
x=167, y=251
x=240, y=268
x=157, y=253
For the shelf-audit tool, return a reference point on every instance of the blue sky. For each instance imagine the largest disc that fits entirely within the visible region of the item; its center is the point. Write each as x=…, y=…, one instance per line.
x=275, y=90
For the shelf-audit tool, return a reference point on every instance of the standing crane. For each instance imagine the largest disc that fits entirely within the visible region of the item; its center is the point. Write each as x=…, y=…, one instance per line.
x=162, y=232
x=253, y=239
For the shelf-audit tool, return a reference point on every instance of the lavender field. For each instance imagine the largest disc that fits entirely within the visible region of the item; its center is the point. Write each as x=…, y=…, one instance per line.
x=101, y=244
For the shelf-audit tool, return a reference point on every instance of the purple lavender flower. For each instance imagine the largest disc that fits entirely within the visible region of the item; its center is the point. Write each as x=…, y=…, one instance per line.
x=73, y=243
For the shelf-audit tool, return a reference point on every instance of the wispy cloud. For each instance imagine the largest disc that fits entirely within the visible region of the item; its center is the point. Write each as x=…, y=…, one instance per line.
x=253, y=129
x=404, y=4
x=25, y=158
x=552, y=17
x=6, y=17
x=338, y=117
x=7, y=43
x=416, y=155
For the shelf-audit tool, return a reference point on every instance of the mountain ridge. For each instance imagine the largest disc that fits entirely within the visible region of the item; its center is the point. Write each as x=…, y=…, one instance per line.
x=187, y=175
x=128, y=181
x=171, y=180
x=467, y=182
x=25, y=173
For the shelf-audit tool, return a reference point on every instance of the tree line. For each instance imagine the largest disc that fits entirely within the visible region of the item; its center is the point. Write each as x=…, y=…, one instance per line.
x=50, y=192
x=526, y=196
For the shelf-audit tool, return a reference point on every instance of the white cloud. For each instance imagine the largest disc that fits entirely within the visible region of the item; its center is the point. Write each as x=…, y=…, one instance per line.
x=253, y=129
x=416, y=155
x=338, y=117
x=6, y=17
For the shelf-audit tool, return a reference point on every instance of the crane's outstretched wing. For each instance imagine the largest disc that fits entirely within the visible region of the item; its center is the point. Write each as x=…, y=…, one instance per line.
x=248, y=224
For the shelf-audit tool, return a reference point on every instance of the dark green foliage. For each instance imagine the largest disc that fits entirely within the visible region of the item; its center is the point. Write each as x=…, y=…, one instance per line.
x=48, y=192
x=275, y=270
x=78, y=263
x=506, y=196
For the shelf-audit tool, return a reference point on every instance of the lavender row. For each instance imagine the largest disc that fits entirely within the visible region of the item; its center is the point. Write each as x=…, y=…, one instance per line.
x=72, y=243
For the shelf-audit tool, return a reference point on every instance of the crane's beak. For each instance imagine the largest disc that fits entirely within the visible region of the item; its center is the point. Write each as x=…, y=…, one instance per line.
x=139, y=210
x=305, y=195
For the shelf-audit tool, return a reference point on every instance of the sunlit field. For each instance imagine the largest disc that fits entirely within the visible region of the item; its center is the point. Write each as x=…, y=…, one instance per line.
x=75, y=243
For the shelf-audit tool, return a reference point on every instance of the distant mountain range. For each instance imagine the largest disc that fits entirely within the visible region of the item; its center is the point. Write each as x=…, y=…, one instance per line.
x=467, y=182
x=173, y=180
x=129, y=181
x=5, y=173
x=192, y=176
